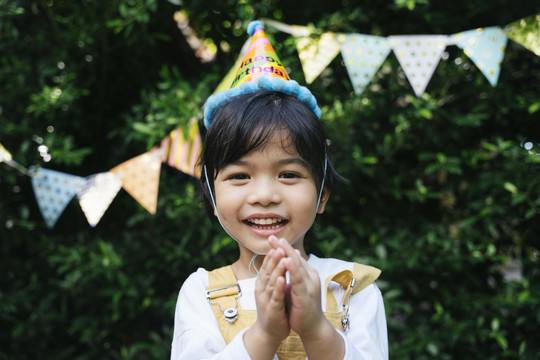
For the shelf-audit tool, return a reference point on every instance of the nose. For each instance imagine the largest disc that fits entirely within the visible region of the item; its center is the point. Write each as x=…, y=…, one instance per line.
x=264, y=191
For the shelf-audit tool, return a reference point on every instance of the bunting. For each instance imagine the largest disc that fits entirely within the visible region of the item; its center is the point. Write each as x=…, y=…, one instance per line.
x=418, y=55
x=53, y=191
x=316, y=53
x=363, y=56
x=140, y=178
x=526, y=32
x=485, y=47
x=97, y=195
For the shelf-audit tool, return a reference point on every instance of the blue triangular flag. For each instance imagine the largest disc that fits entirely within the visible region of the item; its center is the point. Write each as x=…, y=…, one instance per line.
x=53, y=191
x=363, y=56
x=485, y=47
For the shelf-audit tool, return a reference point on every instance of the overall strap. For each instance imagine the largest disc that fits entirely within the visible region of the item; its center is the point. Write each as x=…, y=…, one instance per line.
x=222, y=293
x=352, y=281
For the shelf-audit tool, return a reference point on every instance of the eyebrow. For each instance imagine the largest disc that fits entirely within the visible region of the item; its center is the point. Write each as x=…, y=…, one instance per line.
x=287, y=161
x=294, y=160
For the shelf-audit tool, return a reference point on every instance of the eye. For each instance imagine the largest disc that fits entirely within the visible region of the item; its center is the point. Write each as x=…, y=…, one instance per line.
x=290, y=175
x=238, y=177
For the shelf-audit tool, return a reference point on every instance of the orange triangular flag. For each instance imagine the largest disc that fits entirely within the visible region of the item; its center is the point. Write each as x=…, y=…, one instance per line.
x=140, y=178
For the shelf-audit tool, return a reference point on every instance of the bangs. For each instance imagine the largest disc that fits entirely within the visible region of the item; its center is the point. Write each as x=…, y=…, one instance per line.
x=242, y=129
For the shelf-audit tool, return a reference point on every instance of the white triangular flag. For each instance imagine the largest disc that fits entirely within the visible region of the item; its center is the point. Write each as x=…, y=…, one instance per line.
x=418, y=55
x=97, y=194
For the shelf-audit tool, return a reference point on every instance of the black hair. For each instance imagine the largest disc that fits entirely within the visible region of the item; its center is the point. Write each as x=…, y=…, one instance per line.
x=249, y=121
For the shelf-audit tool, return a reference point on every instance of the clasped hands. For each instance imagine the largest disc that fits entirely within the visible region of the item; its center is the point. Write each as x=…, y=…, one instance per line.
x=282, y=306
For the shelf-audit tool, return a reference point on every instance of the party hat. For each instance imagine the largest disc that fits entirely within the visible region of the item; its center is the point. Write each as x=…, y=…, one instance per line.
x=259, y=69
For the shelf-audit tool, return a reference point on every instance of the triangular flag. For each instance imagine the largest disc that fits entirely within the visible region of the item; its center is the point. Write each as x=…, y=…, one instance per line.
x=485, y=47
x=316, y=53
x=4, y=154
x=418, y=55
x=183, y=149
x=97, y=194
x=363, y=56
x=53, y=191
x=140, y=178
x=526, y=32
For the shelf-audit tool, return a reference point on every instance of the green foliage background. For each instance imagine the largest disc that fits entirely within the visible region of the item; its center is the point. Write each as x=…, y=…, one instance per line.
x=442, y=194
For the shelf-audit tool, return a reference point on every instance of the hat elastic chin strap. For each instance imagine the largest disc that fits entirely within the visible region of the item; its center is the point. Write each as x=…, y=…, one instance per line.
x=252, y=262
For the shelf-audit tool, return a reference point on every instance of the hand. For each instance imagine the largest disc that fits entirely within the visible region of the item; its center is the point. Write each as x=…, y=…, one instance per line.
x=303, y=301
x=303, y=293
x=272, y=325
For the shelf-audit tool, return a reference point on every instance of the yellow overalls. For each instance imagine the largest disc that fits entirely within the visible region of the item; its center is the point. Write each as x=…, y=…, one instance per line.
x=224, y=291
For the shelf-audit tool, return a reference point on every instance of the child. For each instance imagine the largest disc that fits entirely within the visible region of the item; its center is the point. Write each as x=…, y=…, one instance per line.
x=266, y=175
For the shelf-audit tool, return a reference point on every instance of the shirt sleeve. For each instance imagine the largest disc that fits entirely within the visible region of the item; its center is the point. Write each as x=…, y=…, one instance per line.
x=196, y=332
x=367, y=337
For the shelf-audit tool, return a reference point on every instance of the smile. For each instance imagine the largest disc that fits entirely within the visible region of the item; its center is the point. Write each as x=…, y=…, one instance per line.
x=266, y=224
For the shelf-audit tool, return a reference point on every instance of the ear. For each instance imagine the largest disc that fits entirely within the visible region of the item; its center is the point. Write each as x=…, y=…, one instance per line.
x=324, y=199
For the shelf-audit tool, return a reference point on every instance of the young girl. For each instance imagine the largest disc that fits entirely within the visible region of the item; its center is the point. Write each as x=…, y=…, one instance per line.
x=266, y=175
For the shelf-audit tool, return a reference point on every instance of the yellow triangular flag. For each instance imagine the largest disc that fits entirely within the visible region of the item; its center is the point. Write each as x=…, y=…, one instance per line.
x=316, y=53
x=526, y=32
x=4, y=154
x=140, y=178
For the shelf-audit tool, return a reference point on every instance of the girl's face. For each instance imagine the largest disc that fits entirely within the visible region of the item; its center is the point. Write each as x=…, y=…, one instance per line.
x=269, y=191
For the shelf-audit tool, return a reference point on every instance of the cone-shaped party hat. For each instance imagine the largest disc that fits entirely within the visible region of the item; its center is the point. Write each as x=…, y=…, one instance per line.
x=260, y=69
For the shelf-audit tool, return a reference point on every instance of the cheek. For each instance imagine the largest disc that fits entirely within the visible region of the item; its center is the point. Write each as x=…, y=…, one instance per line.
x=306, y=198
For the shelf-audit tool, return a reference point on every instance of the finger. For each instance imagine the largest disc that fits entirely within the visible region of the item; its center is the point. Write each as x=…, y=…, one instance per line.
x=276, y=287
x=297, y=264
x=268, y=268
x=273, y=241
x=278, y=271
x=278, y=295
x=265, y=270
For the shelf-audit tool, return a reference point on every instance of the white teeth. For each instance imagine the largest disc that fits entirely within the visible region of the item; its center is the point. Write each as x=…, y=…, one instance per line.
x=268, y=221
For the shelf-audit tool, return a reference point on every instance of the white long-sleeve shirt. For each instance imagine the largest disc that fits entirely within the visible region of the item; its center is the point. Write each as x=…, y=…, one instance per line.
x=197, y=336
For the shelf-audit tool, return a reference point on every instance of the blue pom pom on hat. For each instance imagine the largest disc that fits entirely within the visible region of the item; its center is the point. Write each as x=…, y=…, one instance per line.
x=260, y=69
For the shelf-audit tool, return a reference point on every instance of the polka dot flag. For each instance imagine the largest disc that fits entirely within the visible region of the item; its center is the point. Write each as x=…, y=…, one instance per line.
x=140, y=178
x=485, y=47
x=526, y=32
x=316, y=54
x=418, y=55
x=53, y=191
x=363, y=56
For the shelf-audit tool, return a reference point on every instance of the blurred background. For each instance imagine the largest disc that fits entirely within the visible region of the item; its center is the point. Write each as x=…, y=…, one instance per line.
x=443, y=192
